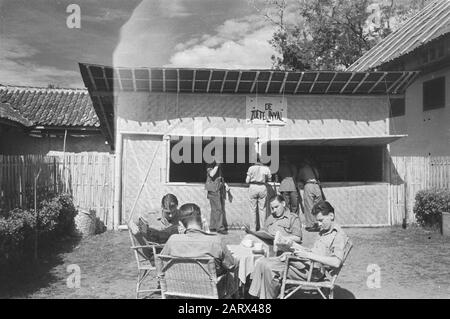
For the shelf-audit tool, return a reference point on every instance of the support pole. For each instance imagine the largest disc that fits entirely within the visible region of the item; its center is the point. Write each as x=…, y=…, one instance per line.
x=36, y=212
x=117, y=182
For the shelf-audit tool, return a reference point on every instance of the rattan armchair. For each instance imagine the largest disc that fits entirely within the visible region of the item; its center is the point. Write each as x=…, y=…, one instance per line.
x=144, y=252
x=291, y=286
x=190, y=278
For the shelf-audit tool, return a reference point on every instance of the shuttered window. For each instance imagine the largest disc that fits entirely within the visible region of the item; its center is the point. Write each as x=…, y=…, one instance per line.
x=397, y=107
x=434, y=94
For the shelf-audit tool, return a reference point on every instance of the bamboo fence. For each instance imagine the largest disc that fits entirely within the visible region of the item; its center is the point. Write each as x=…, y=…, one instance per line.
x=88, y=177
x=410, y=174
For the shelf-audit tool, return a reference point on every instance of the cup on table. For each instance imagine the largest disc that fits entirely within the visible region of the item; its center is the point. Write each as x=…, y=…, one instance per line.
x=258, y=246
x=247, y=243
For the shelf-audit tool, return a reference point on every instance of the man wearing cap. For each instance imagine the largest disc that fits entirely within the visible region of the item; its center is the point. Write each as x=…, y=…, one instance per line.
x=257, y=176
x=195, y=243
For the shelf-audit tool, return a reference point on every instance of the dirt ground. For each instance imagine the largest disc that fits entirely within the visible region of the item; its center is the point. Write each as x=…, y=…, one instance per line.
x=413, y=263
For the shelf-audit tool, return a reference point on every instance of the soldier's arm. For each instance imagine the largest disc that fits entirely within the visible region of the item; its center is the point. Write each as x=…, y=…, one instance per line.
x=331, y=261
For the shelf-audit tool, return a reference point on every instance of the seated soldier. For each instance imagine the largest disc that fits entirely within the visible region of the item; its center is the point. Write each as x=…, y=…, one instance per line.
x=328, y=250
x=196, y=243
x=281, y=220
x=168, y=222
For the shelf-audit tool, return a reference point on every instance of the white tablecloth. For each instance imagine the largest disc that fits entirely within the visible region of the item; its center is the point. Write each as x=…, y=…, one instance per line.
x=247, y=260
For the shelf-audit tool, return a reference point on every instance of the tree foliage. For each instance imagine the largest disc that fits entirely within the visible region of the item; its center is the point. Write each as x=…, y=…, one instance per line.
x=331, y=34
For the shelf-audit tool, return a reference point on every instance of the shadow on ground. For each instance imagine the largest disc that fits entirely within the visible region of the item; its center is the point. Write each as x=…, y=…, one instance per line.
x=22, y=279
x=339, y=293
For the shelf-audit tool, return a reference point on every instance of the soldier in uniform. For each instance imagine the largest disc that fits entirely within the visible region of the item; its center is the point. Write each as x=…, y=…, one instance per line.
x=257, y=176
x=308, y=176
x=217, y=189
x=288, y=188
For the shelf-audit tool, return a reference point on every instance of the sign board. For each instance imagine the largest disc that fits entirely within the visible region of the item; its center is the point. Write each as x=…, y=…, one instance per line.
x=266, y=110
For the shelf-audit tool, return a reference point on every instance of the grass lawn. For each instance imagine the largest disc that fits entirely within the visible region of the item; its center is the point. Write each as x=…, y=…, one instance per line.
x=414, y=263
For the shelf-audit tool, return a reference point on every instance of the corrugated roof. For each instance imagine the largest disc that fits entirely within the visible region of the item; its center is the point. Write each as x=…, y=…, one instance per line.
x=98, y=78
x=8, y=113
x=430, y=23
x=103, y=81
x=51, y=107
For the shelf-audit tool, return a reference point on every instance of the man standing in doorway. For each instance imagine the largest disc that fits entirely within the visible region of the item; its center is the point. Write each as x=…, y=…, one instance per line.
x=217, y=189
x=257, y=176
x=308, y=177
x=288, y=188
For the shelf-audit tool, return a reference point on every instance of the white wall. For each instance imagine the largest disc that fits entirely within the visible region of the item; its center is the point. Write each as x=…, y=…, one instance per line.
x=428, y=131
x=309, y=116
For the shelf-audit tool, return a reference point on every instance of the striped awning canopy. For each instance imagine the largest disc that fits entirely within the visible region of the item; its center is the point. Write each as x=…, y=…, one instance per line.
x=103, y=82
x=100, y=79
x=341, y=141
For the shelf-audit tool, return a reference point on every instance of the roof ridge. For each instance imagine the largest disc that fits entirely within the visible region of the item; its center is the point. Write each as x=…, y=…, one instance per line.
x=410, y=32
x=20, y=117
x=41, y=89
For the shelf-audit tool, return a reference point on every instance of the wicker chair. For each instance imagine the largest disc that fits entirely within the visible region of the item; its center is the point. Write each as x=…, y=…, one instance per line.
x=327, y=283
x=189, y=277
x=144, y=252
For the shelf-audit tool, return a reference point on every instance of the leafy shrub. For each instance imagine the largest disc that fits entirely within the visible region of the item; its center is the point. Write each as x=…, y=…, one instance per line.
x=56, y=216
x=18, y=227
x=66, y=218
x=49, y=211
x=15, y=234
x=429, y=205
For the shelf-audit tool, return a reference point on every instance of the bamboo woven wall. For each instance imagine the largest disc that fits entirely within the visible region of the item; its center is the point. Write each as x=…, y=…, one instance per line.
x=389, y=202
x=410, y=174
x=440, y=172
x=88, y=177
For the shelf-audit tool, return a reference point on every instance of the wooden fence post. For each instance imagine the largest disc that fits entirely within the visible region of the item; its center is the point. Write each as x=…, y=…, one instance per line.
x=55, y=181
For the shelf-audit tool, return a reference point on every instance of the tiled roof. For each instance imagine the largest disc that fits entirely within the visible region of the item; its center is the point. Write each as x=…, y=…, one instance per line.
x=8, y=113
x=430, y=23
x=51, y=107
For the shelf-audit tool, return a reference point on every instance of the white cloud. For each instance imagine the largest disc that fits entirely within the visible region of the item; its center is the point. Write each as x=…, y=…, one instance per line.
x=173, y=8
x=18, y=70
x=237, y=43
x=183, y=46
x=106, y=15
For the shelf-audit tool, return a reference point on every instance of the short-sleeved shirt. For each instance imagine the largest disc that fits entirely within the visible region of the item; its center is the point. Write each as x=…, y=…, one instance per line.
x=258, y=173
x=196, y=243
x=287, y=172
x=331, y=243
x=306, y=173
x=287, y=224
x=216, y=179
x=164, y=223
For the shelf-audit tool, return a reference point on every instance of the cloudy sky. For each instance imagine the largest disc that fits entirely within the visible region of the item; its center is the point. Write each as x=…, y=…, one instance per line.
x=37, y=48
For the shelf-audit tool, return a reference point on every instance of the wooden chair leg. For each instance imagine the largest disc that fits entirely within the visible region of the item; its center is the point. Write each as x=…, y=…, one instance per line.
x=331, y=294
x=138, y=284
x=321, y=293
x=283, y=282
x=141, y=277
